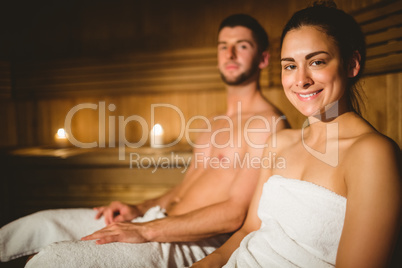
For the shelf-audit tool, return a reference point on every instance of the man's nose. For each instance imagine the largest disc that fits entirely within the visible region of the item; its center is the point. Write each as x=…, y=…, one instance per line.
x=231, y=52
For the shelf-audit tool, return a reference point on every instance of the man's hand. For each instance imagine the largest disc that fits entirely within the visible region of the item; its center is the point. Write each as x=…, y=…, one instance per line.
x=125, y=232
x=117, y=212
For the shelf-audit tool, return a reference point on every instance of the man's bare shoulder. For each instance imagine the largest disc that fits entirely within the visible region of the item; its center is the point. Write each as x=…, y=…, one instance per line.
x=272, y=113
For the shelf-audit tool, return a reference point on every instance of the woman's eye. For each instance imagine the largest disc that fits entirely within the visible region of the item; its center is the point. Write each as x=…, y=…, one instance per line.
x=289, y=67
x=317, y=62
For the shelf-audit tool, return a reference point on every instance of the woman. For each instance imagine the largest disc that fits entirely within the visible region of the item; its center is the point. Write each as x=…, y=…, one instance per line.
x=338, y=199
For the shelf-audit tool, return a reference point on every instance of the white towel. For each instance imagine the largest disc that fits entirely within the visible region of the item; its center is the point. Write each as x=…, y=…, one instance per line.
x=38, y=231
x=31, y=233
x=301, y=227
x=80, y=254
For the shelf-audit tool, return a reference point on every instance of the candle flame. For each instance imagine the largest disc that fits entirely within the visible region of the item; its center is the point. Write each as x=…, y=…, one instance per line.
x=157, y=129
x=61, y=133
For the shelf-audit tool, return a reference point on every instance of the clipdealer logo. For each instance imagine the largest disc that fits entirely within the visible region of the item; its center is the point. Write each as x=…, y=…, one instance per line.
x=185, y=129
x=200, y=160
x=330, y=156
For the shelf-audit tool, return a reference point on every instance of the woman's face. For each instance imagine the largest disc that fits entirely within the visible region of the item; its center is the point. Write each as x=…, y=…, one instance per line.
x=312, y=71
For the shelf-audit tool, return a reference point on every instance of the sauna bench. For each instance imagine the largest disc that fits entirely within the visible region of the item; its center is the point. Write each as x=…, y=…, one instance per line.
x=38, y=178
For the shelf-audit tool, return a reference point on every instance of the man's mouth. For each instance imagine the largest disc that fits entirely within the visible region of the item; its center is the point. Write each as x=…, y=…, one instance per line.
x=231, y=66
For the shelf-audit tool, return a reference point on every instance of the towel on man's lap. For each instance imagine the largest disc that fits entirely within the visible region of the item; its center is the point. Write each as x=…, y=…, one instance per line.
x=38, y=231
x=301, y=227
x=31, y=233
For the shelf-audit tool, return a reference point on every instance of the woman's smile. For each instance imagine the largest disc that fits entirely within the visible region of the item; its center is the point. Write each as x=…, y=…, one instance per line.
x=312, y=75
x=309, y=96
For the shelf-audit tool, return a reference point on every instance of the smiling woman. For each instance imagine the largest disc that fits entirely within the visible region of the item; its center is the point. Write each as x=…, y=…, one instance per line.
x=311, y=65
x=338, y=200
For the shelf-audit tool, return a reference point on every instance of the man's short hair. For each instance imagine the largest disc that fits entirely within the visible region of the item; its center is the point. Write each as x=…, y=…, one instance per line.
x=249, y=22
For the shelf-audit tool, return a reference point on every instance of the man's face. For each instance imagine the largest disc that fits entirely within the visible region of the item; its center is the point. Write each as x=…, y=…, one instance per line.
x=238, y=56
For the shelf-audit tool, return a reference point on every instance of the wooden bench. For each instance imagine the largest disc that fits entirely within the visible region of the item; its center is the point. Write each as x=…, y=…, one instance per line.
x=38, y=178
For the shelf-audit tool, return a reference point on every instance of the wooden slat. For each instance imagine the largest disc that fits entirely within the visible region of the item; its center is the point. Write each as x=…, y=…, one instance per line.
x=390, y=63
x=122, y=176
x=165, y=57
x=394, y=106
x=375, y=13
x=120, y=79
x=391, y=34
x=392, y=47
x=174, y=71
x=382, y=25
x=274, y=64
x=8, y=133
x=80, y=68
x=387, y=22
x=384, y=104
x=120, y=89
x=92, y=178
x=5, y=80
x=84, y=191
x=91, y=74
x=26, y=204
x=182, y=70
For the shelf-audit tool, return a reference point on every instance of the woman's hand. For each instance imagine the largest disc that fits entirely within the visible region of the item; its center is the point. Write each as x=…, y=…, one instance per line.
x=126, y=232
x=211, y=261
x=117, y=212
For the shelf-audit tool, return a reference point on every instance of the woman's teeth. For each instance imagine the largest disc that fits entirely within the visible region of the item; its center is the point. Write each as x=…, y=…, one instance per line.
x=309, y=95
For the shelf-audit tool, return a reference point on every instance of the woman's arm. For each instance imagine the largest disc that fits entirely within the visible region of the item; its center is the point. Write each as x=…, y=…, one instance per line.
x=220, y=256
x=372, y=219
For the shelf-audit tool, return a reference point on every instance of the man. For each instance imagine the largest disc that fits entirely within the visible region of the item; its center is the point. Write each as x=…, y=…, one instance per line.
x=214, y=196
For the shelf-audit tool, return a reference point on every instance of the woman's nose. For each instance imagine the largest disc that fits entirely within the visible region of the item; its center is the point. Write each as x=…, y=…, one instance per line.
x=304, y=79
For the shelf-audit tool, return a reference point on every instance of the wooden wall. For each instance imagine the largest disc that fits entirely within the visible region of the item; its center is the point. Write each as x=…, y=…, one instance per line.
x=133, y=54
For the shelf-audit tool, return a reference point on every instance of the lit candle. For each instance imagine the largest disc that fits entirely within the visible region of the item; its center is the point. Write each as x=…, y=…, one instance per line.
x=61, y=137
x=156, y=135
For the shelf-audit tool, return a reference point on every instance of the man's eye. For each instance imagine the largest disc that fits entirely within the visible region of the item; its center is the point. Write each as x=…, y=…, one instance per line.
x=242, y=46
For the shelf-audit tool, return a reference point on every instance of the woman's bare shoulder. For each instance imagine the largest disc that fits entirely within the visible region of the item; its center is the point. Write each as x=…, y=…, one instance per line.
x=289, y=133
x=374, y=144
x=373, y=159
x=287, y=137
x=365, y=140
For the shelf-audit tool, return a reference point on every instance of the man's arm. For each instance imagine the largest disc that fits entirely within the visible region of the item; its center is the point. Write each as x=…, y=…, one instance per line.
x=223, y=217
x=117, y=211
